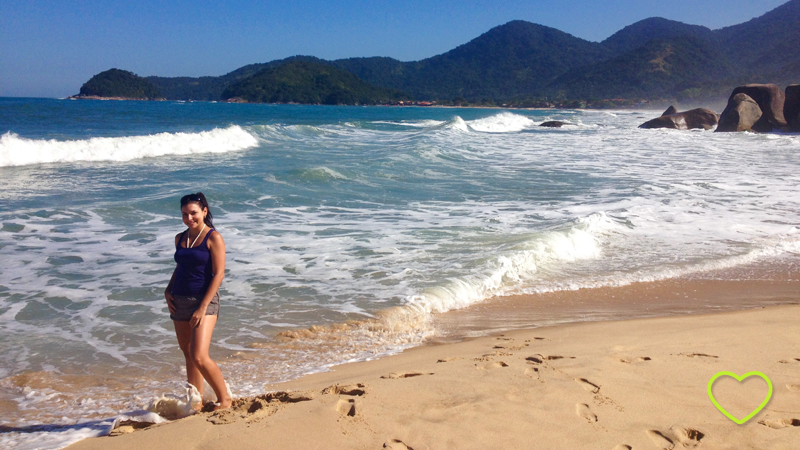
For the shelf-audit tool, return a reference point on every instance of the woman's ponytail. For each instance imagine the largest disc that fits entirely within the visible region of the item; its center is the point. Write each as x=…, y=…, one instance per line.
x=209, y=217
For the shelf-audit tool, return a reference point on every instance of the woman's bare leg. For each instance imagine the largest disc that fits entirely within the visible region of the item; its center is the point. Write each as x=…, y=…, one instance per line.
x=198, y=351
x=184, y=332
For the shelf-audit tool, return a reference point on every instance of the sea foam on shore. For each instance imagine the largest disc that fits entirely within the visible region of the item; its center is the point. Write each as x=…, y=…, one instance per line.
x=349, y=232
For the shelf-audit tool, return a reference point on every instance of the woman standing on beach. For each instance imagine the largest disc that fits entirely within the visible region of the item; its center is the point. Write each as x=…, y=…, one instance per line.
x=192, y=294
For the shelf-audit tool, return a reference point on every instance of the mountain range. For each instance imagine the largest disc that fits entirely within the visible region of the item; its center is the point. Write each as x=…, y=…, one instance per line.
x=651, y=59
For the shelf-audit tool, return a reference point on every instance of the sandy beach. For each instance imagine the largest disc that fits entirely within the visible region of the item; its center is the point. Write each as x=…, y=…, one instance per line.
x=638, y=384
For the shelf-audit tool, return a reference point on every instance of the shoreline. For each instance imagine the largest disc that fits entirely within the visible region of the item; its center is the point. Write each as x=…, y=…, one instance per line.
x=518, y=108
x=649, y=377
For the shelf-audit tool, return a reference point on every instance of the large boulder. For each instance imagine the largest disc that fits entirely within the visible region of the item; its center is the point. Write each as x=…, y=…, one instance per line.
x=687, y=120
x=741, y=114
x=791, y=108
x=770, y=99
x=671, y=110
x=554, y=124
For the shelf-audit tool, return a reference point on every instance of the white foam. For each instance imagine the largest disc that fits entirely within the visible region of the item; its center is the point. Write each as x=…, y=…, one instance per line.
x=457, y=123
x=171, y=406
x=412, y=123
x=19, y=151
x=504, y=122
x=141, y=416
x=54, y=436
x=510, y=271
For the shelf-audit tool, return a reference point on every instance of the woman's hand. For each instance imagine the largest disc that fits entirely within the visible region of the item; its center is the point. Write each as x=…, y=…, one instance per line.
x=197, y=317
x=170, y=299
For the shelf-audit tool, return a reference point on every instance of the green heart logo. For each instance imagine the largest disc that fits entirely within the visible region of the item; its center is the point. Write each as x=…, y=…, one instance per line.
x=739, y=379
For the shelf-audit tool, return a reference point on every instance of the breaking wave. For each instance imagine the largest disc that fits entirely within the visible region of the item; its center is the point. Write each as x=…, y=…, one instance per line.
x=19, y=151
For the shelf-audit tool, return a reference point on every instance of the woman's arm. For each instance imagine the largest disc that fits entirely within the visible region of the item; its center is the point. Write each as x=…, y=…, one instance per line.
x=216, y=246
x=168, y=290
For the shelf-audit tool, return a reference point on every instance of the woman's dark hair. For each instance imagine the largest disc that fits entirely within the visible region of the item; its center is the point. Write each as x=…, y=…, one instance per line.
x=201, y=199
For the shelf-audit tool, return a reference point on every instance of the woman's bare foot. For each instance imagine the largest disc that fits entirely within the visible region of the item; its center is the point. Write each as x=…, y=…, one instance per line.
x=225, y=404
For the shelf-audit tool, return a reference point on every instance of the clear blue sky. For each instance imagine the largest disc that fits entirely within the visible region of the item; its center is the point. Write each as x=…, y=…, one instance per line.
x=50, y=48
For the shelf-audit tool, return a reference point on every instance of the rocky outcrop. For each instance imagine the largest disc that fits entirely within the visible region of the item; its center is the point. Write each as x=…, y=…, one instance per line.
x=687, y=120
x=770, y=100
x=741, y=114
x=554, y=124
x=791, y=107
x=670, y=111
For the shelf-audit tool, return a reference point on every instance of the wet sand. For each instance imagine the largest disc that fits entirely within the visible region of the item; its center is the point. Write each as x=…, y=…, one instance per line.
x=614, y=384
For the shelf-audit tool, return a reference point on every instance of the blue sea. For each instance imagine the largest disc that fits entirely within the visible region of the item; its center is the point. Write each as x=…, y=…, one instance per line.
x=349, y=230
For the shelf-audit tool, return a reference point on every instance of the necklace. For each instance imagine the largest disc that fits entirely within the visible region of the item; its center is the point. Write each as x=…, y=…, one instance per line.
x=195, y=238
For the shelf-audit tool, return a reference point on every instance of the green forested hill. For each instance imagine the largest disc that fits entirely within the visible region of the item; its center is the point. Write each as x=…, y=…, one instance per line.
x=309, y=82
x=119, y=83
x=767, y=43
x=640, y=33
x=211, y=88
x=660, y=69
x=654, y=58
x=698, y=63
x=518, y=58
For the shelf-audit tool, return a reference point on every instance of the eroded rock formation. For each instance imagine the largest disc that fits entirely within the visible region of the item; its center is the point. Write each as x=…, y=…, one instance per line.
x=770, y=100
x=791, y=107
x=687, y=120
x=741, y=114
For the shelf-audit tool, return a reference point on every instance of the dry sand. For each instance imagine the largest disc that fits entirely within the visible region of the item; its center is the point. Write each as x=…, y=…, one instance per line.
x=637, y=384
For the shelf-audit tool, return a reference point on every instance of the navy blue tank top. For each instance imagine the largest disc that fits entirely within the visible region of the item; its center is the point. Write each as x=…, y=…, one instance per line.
x=193, y=275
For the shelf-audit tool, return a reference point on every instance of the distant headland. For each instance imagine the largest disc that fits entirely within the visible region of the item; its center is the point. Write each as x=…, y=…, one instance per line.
x=519, y=64
x=115, y=84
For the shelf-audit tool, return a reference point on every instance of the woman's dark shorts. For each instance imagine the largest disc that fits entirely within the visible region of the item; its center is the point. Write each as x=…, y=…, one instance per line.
x=185, y=307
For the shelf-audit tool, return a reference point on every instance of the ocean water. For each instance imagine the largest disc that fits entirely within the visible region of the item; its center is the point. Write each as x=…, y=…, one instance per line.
x=348, y=229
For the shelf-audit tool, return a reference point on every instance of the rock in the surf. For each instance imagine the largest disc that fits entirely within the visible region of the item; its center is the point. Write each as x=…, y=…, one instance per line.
x=554, y=124
x=741, y=114
x=791, y=107
x=670, y=111
x=770, y=99
x=688, y=120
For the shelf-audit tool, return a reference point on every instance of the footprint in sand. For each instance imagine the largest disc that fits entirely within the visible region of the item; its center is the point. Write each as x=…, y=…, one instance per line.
x=444, y=360
x=793, y=387
x=697, y=355
x=789, y=361
x=688, y=437
x=583, y=411
x=346, y=407
x=532, y=372
x=397, y=376
x=396, y=444
x=660, y=440
x=538, y=359
x=256, y=408
x=494, y=365
x=780, y=423
x=622, y=447
x=349, y=389
x=635, y=360
x=555, y=357
x=224, y=417
x=588, y=385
